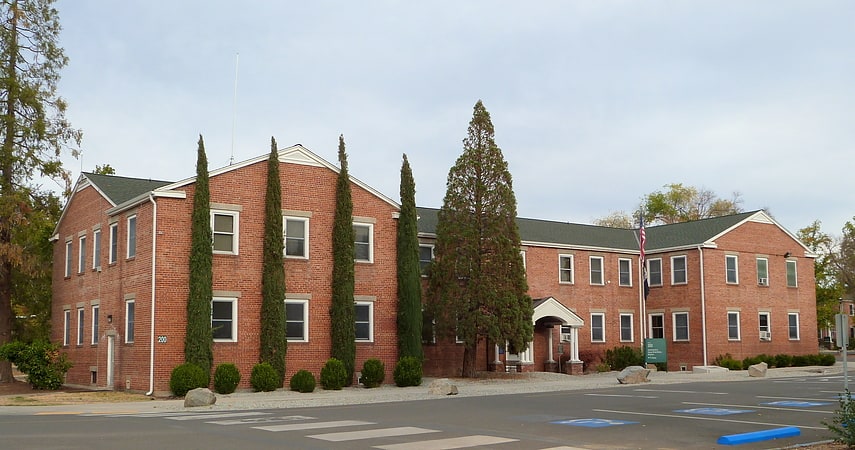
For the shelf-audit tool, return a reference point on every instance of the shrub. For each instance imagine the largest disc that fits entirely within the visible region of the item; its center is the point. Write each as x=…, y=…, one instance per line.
x=226, y=378
x=186, y=377
x=264, y=378
x=841, y=423
x=333, y=375
x=42, y=361
x=730, y=364
x=408, y=372
x=800, y=361
x=589, y=359
x=783, y=360
x=620, y=358
x=303, y=381
x=827, y=359
x=373, y=373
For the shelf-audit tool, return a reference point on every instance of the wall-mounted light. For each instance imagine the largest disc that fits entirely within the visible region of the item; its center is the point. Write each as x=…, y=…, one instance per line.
x=109, y=318
x=787, y=255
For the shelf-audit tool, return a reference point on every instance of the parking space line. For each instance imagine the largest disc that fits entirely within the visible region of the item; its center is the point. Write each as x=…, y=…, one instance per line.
x=794, y=398
x=675, y=416
x=681, y=392
x=622, y=395
x=774, y=408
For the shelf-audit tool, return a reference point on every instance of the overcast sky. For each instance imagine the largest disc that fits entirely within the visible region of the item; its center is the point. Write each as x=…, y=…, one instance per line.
x=595, y=103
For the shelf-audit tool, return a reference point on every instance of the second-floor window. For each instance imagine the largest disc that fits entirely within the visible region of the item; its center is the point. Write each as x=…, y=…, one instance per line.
x=678, y=270
x=96, y=249
x=762, y=271
x=625, y=272
x=565, y=269
x=114, y=242
x=596, y=270
x=425, y=258
x=730, y=269
x=792, y=279
x=363, y=242
x=224, y=226
x=132, y=236
x=81, y=257
x=68, y=258
x=296, y=237
x=654, y=272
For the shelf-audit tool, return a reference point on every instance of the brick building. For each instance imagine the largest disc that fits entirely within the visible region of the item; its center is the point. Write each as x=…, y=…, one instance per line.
x=739, y=284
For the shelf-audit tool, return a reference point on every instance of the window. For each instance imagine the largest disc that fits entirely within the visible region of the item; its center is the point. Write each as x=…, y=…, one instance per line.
x=598, y=332
x=364, y=321
x=565, y=269
x=425, y=258
x=681, y=326
x=80, y=316
x=132, y=236
x=224, y=226
x=596, y=269
x=793, y=326
x=765, y=327
x=129, y=321
x=654, y=272
x=95, y=323
x=678, y=270
x=96, y=249
x=792, y=280
x=730, y=269
x=114, y=242
x=733, y=325
x=81, y=257
x=625, y=272
x=851, y=309
x=66, y=327
x=363, y=242
x=626, y=327
x=223, y=319
x=762, y=271
x=657, y=326
x=68, y=259
x=296, y=319
x=296, y=237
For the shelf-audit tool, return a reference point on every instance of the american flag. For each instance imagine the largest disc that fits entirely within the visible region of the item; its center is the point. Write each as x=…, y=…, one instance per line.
x=642, y=239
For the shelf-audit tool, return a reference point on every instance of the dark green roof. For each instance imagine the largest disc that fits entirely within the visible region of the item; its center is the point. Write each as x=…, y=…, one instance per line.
x=121, y=189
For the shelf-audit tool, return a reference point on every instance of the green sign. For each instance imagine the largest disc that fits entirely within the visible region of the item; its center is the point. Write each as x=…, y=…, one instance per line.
x=654, y=351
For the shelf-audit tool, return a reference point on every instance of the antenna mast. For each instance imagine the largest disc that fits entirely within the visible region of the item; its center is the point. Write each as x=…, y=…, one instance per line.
x=234, y=109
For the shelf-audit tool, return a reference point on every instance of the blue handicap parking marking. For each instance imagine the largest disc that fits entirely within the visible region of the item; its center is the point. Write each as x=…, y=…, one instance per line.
x=796, y=404
x=713, y=411
x=593, y=423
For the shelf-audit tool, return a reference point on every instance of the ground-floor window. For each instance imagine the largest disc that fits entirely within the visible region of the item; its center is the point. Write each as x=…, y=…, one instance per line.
x=365, y=321
x=224, y=319
x=733, y=325
x=598, y=332
x=626, y=327
x=793, y=325
x=296, y=319
x=657, y=326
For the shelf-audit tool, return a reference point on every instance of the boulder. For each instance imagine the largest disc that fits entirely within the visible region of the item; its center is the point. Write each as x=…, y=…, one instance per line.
x=758, y=370
x=633, y=375
x=199, y=397
x=442, y=386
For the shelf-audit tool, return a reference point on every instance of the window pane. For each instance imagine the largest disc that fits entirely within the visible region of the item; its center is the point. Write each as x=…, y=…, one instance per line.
x=732, y=326
x=295, y=247
x=132, y=236
x=793, y=325
x=223, y=223
x=360, y=233
x=681, y=327
x=565, y=269
x=625, y=327
x=655, y=276
x=791, y=274
x=678, y=269
x=597, y=334
x=730, y=268
x=596, y=270
x=294, y=326
x=624, y=278
x=221, y=319
x=363, y=322
x=363, y=331
x=295, y=237
x=362, y=313
x=657, y=326
x=223, y=243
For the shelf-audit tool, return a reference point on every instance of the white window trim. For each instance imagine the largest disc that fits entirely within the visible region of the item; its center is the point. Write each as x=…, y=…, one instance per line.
x=795, y=265
x=650, y=273
x=370, y=321
x=96, y=312
x=370, y=226
x=738, y=327
x=66, y=327
x=68, y=258
x=81, y=256
x=132, y=217
x=650, y=323
x=591, y=270
x=629, y=262
x=235, y=232
x=757, y=266
x=603, y=325
x=432, y=248
x=631, y=327
x=735, y=268
x=96, y=249
x=768, y=325
x=305, y=304
x=234, y=302
x=81, y=314
x=674, y=326
x=685, y=270
x=305, y=221
x=114, y=242
x=572, y=269
x=127, y=307
x=798, y=333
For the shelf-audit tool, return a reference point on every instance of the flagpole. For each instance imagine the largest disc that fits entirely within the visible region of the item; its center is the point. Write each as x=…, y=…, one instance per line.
x=642, y=238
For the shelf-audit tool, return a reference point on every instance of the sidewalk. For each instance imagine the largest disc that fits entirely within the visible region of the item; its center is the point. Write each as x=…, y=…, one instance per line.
x=520, y=383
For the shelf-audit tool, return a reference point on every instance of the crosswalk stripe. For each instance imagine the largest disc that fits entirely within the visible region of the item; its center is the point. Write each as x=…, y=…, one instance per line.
x=313, y=425
x=564, y=448
x=368, y=434
x=217, y=416
x=256, y=420
x=450, y=443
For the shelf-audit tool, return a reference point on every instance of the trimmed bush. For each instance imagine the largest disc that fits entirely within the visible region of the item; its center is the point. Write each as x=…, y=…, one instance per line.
x=373, y=373
x=303, y=381
x=333, y=375
x=620, y=358
x=783, y=360
x=264, y=378
x=226, y=378
x=186, y=377
x=827, y=359
x=408, y=372
x=42, y=361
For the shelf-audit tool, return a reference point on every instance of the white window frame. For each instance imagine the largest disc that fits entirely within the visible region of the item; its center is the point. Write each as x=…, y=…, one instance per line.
x=130, y=323
x=793, y=327
x=370, y=243
x=627, y=272
x=591, y=270
x=651, y=328
x=234, y=318
x=794, y=264
x=81, y=257
x=68, y=258
x=674, y=271
x=566, y=270
x=764, y=274
x=676, y=327
x=768, y=327
x=305, y=221
x=601, y=327
x=114, y=243
x=131, y=250
x=738, y=328
x=96, y=324
x=66, y=327
x=304, y=319
x=631, y=328
x=425, y=263
x=81, y=322
x=96, y=249
x=651, y=281
x=735, y=271
x=370, y=306
x=235, y=232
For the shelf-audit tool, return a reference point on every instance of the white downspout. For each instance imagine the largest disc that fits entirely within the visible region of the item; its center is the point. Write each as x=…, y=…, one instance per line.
x=153, y=284
x=703, y=305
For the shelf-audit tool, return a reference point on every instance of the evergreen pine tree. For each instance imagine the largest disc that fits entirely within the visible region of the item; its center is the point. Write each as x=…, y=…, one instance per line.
x=198, y=341
x=342, y=310
x=477, y=284
x=409, y=273
x=273, y=341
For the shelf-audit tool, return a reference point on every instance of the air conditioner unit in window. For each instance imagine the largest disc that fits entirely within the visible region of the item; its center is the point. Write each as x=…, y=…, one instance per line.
x=765, y=335
x=565, y=337
x=763, y=282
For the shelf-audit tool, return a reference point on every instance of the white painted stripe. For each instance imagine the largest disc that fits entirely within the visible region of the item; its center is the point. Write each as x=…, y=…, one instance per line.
x=564, y=448
x=713, y=419
x=774, y=408
x=799, y=399
x=217, y=416
x=368, y=434
x=680, y=392
x=314, y=425
x=450, y=443
x=257, y=420
x=622, y=395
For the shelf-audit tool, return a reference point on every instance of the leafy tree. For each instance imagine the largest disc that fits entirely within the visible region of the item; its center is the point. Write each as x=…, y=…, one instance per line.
x=199, y=339
x=106, y=169
x=477, y=283
x=342, y=310
x=615, y=219
x=273, y=341
x=33, y=134
x=676, y=204
x=409, y=273
x=828, y=288
x=844, y=260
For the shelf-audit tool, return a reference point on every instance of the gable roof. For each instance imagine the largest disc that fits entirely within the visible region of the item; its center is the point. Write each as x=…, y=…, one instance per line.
x=118, y=190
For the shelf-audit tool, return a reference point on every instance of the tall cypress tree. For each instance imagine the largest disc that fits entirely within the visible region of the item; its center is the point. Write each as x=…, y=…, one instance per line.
x=477, y=284
x=409, y=273
x=198, y=341
x=273, y=342
x=342, y=310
